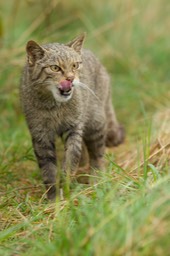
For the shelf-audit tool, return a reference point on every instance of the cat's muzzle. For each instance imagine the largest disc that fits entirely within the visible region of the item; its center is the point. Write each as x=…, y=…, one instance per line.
x=65, y=87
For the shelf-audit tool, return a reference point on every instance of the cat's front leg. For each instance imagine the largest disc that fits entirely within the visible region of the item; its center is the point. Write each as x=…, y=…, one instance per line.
x=73, y=149
x=45, y=152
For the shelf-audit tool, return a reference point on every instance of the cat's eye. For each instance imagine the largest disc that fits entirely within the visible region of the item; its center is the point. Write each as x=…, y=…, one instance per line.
x=75, y=65
x=55, y=68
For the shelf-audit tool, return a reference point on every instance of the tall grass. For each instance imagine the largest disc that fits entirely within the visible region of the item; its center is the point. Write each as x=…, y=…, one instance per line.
x=127, y=211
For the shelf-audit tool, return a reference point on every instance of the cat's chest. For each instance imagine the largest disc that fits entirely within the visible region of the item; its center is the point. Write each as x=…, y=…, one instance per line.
x=65, y=118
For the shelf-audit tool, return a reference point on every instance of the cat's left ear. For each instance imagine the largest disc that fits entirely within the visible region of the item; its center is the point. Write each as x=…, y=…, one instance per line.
x=34, y=52
x=77, y=43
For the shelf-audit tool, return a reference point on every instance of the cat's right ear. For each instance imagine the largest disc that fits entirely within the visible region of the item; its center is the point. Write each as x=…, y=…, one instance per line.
x=77, y=43
x=34, y=52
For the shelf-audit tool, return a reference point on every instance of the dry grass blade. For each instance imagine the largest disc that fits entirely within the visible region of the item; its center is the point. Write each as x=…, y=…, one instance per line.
x=150, y=158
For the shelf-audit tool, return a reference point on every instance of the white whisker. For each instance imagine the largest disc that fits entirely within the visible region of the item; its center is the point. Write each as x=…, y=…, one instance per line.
x=84, y=86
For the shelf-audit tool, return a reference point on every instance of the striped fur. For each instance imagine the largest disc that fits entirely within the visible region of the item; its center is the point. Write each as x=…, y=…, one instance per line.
x=84, y=118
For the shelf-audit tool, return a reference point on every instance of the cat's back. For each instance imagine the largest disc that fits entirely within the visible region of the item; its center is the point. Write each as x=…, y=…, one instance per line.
x=95, y=75
x=90, y=61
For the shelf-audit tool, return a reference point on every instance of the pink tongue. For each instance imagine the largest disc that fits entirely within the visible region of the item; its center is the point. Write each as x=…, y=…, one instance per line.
x=65, y=85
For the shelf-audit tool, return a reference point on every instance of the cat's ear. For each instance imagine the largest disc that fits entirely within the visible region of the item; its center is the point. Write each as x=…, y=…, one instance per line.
x=34, y=52
x=77, y=43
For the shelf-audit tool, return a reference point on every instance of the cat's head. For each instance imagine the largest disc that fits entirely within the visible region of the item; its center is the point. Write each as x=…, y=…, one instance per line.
x=53, y=68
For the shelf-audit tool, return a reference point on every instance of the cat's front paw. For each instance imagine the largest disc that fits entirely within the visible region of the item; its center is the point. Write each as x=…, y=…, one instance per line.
x=51, y=193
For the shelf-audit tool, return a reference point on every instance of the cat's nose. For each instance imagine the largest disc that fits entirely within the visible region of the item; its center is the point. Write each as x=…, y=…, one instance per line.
x=70, y=78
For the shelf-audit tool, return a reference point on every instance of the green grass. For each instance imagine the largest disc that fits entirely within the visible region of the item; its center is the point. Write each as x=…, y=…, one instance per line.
x=127, y=211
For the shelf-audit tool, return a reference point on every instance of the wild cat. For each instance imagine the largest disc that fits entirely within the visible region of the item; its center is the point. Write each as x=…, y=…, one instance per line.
x=66, y=90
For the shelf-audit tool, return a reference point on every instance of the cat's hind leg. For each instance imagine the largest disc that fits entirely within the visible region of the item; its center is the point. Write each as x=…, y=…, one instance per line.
x=115, y=133
x=95, y=143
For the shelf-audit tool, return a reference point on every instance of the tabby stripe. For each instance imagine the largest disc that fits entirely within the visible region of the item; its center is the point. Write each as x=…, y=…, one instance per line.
x=38, y=75
x=42, y=146
x=77, y=152
x=97, y=129
x=95, y=137
x=46, y=160
x=78, y=136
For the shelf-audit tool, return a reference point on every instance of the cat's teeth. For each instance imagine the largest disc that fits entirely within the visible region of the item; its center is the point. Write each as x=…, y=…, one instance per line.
x=65, y=93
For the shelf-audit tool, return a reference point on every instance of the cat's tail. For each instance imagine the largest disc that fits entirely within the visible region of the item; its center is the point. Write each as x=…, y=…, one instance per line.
x=115, y=136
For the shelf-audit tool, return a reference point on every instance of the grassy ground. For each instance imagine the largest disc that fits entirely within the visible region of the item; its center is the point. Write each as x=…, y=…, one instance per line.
x=127, y=212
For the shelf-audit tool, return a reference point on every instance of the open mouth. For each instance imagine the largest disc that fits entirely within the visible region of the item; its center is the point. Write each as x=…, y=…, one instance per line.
x=65, y=93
